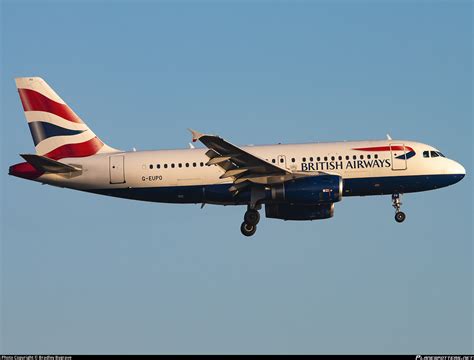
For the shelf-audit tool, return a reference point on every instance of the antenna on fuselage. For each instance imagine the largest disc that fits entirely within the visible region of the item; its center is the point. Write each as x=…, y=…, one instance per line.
x=191, y=146
x=389, y=137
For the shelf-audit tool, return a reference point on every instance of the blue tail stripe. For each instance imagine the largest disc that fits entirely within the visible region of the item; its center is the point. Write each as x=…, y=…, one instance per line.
x=42, y=130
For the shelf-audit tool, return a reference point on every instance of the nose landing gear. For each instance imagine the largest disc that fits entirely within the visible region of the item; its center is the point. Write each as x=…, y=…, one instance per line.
x=251, y=219
x=396, y=203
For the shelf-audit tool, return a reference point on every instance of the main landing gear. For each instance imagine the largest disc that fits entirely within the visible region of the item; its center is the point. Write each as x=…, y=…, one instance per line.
x=251, y=219
x=396, y=203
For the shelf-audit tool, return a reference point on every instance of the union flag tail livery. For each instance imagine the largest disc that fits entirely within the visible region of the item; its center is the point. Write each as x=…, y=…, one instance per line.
x=292, y=181
x=56, y=129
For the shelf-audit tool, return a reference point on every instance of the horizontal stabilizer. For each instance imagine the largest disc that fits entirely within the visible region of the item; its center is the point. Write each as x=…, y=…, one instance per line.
x=45, y=164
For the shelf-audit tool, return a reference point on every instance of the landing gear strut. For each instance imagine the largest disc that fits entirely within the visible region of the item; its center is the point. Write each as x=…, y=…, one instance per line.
x=251, y=219
x=396, y=203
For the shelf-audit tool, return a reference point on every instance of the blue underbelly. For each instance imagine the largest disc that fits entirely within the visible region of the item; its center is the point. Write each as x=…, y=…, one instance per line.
x=220, y=194
x=211, y=194
x=397, y=184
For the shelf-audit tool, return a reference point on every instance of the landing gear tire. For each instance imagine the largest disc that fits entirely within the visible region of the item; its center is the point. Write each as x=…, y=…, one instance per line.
x=248, y=229
x=397, y=204
x=252, y=217
x=400, y=217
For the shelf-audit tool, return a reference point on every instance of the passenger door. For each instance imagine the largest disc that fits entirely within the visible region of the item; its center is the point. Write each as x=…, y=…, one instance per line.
x=117, y=169
x=399, y=156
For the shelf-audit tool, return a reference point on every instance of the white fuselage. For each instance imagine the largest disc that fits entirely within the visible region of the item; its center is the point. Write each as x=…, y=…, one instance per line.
x=180, y=169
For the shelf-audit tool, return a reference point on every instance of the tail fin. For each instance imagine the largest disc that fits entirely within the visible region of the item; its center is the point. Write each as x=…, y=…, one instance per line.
x=56, y=130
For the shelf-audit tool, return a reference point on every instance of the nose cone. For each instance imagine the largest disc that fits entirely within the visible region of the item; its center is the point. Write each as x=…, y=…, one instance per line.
x=457, y=171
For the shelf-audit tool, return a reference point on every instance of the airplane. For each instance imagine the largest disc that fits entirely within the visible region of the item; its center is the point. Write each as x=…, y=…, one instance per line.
x=292, y=181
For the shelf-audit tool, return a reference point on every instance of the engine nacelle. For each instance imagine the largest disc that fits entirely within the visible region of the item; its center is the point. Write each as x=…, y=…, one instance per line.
x=299, y=212
x=313, y=190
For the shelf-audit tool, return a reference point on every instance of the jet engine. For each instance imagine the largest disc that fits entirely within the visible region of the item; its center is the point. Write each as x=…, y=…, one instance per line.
x=309, y=190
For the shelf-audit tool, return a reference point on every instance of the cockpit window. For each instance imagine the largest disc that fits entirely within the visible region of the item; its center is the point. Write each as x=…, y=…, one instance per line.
x=426, y=154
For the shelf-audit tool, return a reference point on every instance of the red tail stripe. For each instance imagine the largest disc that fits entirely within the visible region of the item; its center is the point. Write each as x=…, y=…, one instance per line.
x=87, y=148
x=34, y=101
x=384, y=148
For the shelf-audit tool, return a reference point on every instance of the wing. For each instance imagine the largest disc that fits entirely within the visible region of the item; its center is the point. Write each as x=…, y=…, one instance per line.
x=240, y=165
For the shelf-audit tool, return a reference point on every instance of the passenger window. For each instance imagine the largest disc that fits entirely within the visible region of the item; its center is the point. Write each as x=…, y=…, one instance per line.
x=292, y=159
x=281, y=160
x=311, y=159
x=180, y=165
x=376, y=156
x=158, y=166
x=151, y=166
x=201, y=164
x=347, y=157
x=362, y=157
x=434, y=154
x=166, y=166
x=273, y=161
x=172, y=165
x=318, y=159
x=340, y=158
x=426, y=154
x=368, y=156
x=325, y=158
x=187, y=164
x=194, y=164
x=354, y=157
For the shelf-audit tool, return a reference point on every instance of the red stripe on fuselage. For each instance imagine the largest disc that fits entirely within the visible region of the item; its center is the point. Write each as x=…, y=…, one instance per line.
x=384, y=148
x=34, y=101
x=87, y=148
